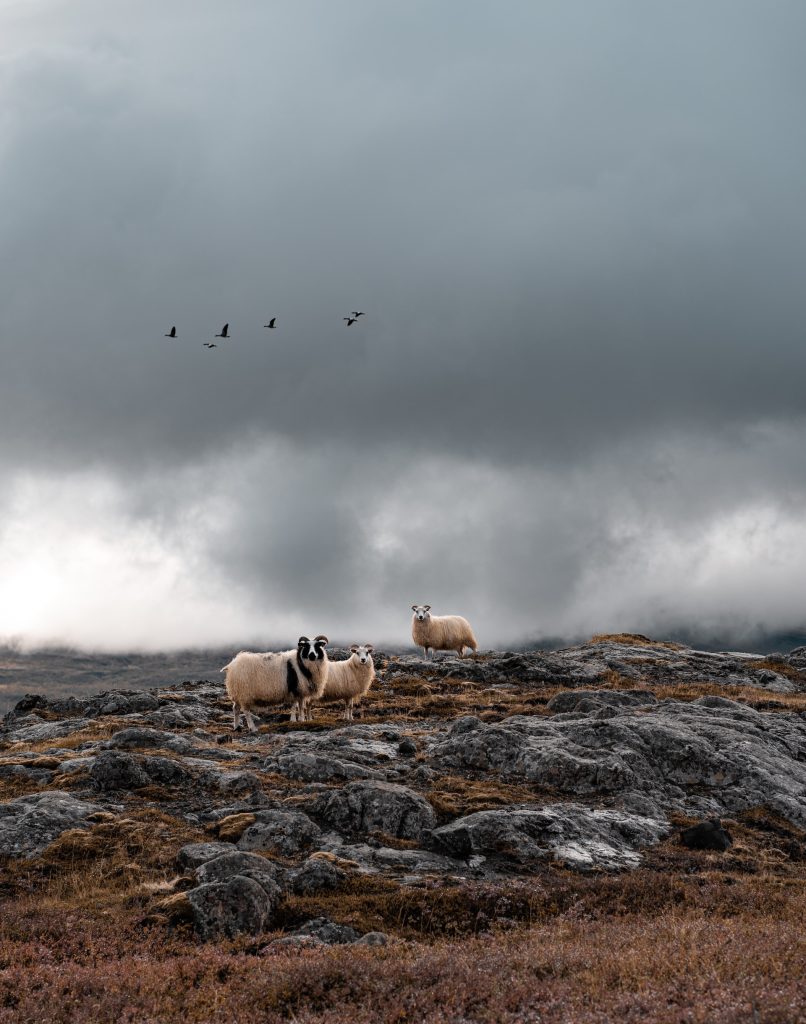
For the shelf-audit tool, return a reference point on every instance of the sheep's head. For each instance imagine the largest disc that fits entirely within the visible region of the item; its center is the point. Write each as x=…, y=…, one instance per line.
x=421, y=611
x=312, y=650
x=363, y=652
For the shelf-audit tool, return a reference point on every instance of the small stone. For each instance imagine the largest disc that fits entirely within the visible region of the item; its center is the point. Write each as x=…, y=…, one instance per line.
x=372, y=939
x=328, y=931
x=707, y=835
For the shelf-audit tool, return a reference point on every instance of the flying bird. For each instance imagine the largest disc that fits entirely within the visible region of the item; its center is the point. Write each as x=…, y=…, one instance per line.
x=171, y=333
x=212, y=344
x=271, y=323
x=356, y=313
x=224, y=332
x=350, y=320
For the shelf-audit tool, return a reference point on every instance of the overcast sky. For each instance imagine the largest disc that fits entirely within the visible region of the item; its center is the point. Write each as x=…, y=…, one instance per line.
x=576, y=403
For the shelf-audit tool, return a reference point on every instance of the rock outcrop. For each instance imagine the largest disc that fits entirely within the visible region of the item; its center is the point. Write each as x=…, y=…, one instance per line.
x=486, y=768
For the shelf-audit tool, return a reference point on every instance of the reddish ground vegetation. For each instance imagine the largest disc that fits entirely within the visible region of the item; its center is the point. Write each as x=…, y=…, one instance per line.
x=690, y=936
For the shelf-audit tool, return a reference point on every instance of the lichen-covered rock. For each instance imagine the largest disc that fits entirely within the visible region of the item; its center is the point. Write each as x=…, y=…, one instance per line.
x=711, y=755
x=193, y=855
x=250, y=865
x=113, y=771
x=568, y=701
x=316, y=875
x=30, y=823
x=237, y=906
x=309, y=766
x=580, y=837
x=379, y=806
x=139, y=738
x=328, y=932
x=284, y=832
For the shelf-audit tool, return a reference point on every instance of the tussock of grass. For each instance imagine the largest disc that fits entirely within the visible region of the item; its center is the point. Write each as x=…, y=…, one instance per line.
x=454, y=796
x=633, y=640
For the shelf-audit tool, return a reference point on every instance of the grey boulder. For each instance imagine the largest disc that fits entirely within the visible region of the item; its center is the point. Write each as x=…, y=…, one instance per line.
x=379, y=806
x=580, y=837
x=29, y=824
x=239, y=905
x=284, y=832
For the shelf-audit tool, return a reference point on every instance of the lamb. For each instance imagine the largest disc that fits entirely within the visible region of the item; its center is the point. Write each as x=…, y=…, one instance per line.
x=293, y=677
x=441, y=632
x=349, y=680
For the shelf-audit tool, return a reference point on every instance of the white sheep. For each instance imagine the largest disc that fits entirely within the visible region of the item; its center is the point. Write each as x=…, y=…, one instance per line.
x=349, y=680
x=290, y=677
x=441, y=632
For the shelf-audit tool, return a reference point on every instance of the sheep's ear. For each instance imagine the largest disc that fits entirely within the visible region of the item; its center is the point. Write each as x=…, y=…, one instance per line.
x=414, y=607
x=302, y=640
x=354, y=648
x=321, y=639
x=427, y=607
x=369, y=647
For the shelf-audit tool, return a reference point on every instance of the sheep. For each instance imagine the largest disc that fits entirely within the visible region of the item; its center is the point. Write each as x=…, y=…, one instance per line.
x=290, y=677
x=349, y=680
x=441, y=632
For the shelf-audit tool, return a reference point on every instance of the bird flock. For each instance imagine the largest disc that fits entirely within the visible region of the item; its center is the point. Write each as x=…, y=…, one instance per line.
x=271, y=325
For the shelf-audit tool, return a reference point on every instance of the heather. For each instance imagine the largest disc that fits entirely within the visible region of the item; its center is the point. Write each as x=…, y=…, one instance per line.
x=508, y=828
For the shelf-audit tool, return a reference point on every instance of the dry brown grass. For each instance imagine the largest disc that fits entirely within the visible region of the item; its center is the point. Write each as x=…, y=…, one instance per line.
x=633, y=640
x=454, y=796
x=788, y=671
x=754, y=696
x=690, y=936
x=556, y=949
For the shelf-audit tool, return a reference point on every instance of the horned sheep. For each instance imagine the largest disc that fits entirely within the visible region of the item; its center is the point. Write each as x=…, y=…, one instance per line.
x=349, y=680
x=293, y=677
x=441, y=632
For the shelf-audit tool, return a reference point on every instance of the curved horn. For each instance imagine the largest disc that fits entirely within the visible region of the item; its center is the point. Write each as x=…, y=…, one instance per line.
x=320, y=639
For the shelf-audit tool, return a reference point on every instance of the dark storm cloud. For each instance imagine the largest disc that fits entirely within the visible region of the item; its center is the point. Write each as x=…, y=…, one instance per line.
x=578, y=231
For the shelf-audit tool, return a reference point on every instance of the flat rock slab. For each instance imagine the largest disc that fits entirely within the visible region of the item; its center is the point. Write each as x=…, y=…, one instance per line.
x=711, y=756
x=587, y=664
x=580, y=837
x=29, y=824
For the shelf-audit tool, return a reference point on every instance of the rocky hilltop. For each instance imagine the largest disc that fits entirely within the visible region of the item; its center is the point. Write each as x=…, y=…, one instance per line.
x=554, y=770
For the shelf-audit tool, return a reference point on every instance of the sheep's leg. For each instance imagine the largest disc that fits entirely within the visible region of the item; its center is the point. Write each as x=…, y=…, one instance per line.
x=294, y=712
x=250, y=721
x=425, y=653
x=236, y=718
x=350, y=708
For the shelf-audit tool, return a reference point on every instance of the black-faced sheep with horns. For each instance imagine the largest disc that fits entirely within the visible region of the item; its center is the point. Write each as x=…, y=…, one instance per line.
x=349, y=680
x=441, y=632
x=290, y=677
